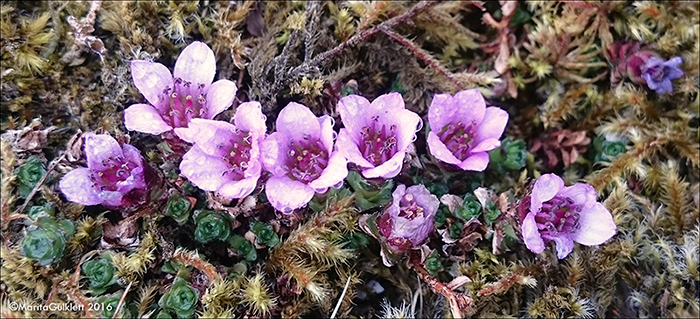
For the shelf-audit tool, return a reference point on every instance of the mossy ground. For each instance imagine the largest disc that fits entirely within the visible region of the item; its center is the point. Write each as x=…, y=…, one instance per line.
x=65, y=69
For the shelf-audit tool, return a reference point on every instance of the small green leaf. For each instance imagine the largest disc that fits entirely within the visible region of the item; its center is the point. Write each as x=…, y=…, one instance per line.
x=100, y=272
x=265, y=234
x=182, y=299
x=179, y=208
x=211, y=226
x=29, y=174
x=470, y=208
x=243, y=247
x=456, y=229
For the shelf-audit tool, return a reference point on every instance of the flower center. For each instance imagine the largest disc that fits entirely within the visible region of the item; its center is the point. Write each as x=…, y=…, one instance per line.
x=459, y=138
x=378, y=143
x=113, y=170
x=306, y=160
x=237, y=154
x=558, y=215
x=183, y=102
x=409, y=209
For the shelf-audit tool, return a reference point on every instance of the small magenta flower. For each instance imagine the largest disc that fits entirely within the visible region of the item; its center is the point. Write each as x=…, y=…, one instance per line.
x=463, y=129
x=301, y=158
x=564, y=215
x=114, y=176
x=410, y=218
x=646, y=67
x=225, y=157
x=178, y=98
x=377, y=135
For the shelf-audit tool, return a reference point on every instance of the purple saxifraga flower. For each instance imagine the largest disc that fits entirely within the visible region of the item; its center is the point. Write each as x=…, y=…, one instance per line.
x=564, y=215
x=408, y=221
x=301, y=158
x=647, y=67
x=113, y=178
x=376, y=135
x=178, y=98
x=225, y=157
x=463, y=129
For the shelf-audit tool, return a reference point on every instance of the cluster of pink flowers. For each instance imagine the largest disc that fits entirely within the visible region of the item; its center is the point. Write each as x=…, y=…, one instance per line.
x=303, y=157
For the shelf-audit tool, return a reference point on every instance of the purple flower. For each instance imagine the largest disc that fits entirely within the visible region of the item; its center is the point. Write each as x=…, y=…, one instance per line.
x=376, y=135
x=463, y=129
x=225, y=157
x=409, y=220
x=647, y=67
x=301, y=159
x=563, y=215
x=114, y=174
x=176, y=99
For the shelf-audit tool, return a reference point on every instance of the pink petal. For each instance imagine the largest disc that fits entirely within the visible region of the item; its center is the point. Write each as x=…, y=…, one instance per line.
x=353, y=113
x=581, y=194
x=144, y=118
x=202, y=130
x=475, y=162
x=388, y=169
x=493, y=125
x=389, y=102
x=99, y=147
x=78, y=188
x=220, y=95
x=439, y=150
x=132, y=154
x=470, y=106
x=564, y=246
x=531, y=236
x=296, y=122
x=273, y=153
x=203, y=170
x=441, y=112
x=486, y=145
x=396, y=196
x=249, y=118
x=596, y=226
x=326, y=123
x=208, y=135
x=335, y=172
x=347, y=147
x=111, y=198
x=407, y=125
x=151, y=79
x=286, y=195
x=238, y=189
x=546, y=187
x=254, y=164
x=196, y=64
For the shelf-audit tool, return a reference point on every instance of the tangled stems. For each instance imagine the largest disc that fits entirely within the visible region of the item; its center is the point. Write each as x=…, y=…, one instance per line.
x=101, y=275
x=46, y=241
x=211, y=226
x=182, y=299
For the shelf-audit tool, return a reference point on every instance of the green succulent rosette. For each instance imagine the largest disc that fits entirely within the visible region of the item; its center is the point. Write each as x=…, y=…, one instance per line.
x=29, y=174
x=101, y=274
x=179, y=208
x=109, y=303
x=243, y=247
x=181, y=299
x=511, y=155
x=470, y=208
x=46, y=210
x=605, y=151
x=264, y=234
x=211, y=226
x=368, y=195
x=45, y=241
